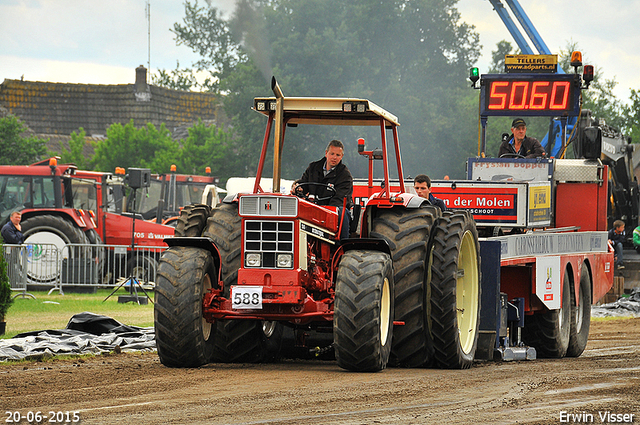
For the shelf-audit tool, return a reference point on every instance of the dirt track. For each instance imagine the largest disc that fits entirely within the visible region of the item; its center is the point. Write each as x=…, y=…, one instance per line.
x=136, y=388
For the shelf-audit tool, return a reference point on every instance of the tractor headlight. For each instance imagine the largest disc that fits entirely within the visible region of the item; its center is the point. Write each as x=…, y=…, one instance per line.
x=253, y=259
x=285, y=261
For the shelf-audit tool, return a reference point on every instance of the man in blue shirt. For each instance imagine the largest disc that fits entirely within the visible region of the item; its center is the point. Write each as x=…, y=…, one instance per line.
x=422, y=185
x=11, y=232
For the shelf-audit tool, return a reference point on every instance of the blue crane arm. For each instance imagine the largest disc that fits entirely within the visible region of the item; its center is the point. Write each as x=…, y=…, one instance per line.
x=511, y=26
x=528, y=27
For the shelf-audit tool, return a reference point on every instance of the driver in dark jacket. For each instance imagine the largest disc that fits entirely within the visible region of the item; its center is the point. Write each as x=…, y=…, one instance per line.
x=519, y=143
x=330, y=171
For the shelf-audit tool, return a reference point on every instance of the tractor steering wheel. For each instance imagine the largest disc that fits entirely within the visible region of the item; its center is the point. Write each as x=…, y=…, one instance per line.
x=301, y=193
x=512, y=155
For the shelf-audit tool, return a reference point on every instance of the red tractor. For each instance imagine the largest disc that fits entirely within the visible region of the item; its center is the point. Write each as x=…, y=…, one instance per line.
x=62, y=205
x=404, y=288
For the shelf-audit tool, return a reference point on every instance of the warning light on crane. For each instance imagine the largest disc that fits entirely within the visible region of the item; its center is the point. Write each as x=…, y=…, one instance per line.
x=576, y=59
x=587, y=75
x=474, y=76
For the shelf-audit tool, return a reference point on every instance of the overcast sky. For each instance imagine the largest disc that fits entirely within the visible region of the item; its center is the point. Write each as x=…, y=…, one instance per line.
x=102, y=42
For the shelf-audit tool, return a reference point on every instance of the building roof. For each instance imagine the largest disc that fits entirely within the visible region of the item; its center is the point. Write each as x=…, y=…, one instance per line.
x=61, y=108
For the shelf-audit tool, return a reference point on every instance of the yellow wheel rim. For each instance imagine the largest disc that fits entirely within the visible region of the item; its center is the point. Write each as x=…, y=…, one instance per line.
x=467, y=289
x=385, y=312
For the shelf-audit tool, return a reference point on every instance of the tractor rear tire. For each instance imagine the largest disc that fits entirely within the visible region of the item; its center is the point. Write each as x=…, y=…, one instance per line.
x=408, y=231
x=455, y=290
x=183, y=337
x=192, y=220
x=238, y=340
x=549, y=331
x=580, y=315
x=51, y=229
x=363, y=313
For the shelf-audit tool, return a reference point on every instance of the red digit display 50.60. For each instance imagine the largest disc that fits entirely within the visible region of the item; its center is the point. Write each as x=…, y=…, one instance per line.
x=515, y=95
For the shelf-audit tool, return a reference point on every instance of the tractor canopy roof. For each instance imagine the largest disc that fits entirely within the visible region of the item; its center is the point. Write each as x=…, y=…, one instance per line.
x=327, y=111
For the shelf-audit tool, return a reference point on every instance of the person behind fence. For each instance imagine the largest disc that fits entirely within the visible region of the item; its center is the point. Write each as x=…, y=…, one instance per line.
x=519, y=144
x=422, y=186
x=12, y=232
x=330, y=172
x=616, y=238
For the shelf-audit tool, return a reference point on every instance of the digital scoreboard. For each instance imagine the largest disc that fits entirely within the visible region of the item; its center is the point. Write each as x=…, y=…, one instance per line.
x=530, y=94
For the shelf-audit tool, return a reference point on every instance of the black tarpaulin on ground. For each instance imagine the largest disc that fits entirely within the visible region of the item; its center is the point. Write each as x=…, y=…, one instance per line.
x=623, y=306
x=86, y=333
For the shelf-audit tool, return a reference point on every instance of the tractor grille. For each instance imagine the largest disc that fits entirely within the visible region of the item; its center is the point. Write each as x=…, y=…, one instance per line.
x=265, y=205
x=270, y=239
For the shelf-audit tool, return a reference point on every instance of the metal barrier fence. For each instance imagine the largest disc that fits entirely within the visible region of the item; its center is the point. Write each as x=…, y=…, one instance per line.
x=79, y=265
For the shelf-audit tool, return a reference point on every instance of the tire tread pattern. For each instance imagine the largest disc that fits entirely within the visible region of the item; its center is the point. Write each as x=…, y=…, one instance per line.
x=178, y=307
x=192, y=220
x=447, y=241
x=407, y=231
x=356, y=323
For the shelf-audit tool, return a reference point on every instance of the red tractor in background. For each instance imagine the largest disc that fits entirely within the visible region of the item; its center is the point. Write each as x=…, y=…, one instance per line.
x=62, y=205
x=168, y=193
x=405, y=289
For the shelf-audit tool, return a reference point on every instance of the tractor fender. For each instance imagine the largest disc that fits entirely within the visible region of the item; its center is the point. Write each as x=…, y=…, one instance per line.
x=198, y=242
x=417, y=202
x=69, y=214
x=365, y=243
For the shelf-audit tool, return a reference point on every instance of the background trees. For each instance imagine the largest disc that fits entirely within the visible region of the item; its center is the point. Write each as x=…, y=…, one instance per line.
x=17, y=148
x=411, y=57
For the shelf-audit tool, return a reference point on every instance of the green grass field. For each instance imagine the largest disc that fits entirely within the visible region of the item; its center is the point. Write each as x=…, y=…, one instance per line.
x=54, y=311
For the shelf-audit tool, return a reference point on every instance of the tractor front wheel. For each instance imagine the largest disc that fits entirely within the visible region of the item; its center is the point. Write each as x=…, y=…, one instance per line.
x=183, y=337
x=363, y=315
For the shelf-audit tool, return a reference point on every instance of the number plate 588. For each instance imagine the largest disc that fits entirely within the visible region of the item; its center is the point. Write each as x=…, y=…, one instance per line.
x=246, y=297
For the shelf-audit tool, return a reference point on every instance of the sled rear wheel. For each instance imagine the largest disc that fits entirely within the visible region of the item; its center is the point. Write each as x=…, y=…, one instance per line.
x=549, y=331
x=580, y=315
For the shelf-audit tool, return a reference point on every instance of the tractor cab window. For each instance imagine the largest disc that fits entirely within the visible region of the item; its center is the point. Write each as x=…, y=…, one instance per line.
x=193, y=193
x=85, y=195
x=43, y=193
x=19, y=192
x=146, y=199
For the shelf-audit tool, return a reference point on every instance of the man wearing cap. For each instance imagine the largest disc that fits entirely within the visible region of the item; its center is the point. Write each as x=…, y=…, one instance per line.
x=519, y=143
